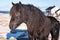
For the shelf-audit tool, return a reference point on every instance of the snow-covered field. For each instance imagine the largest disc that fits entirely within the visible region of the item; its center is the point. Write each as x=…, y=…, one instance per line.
x=4, y=26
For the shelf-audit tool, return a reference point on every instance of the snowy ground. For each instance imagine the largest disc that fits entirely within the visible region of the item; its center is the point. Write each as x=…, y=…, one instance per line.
x=4, y=26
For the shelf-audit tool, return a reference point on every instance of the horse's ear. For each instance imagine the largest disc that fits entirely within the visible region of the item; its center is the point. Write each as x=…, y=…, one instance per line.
x=12, y=3
x=19, y=2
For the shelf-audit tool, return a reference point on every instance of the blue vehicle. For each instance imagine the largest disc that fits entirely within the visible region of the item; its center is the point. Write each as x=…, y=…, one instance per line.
x=18, y=34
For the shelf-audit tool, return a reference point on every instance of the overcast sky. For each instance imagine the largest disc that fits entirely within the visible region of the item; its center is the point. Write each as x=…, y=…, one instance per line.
x=42, y=4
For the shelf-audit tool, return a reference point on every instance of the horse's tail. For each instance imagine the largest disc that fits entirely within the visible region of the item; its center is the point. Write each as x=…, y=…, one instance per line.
x=59, y=25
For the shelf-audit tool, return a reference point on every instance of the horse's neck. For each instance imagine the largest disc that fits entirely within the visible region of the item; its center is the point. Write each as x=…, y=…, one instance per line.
x=33, y=13
x=40, y=17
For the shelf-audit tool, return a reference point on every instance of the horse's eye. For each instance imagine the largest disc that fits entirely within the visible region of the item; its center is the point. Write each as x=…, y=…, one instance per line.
x=12, y=18
x=20, y=12
x=16, y=17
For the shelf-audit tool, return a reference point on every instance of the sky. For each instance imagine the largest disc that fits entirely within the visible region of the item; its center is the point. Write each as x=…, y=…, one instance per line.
x=5, y=5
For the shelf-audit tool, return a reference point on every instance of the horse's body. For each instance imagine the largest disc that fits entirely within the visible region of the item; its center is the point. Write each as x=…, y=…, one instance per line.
x=38, y=25
x=55, y=30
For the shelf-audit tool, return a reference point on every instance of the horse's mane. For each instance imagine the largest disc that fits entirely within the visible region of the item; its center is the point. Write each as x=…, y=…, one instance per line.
x=34, y=8
x=37, y=11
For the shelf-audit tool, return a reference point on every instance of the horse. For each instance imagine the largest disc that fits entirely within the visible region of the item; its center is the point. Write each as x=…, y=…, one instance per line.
x=54, y=31
x=38, y=25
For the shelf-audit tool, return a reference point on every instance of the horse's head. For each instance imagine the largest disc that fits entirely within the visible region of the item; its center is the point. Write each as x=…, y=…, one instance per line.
x=24, y=13
x=17, y=15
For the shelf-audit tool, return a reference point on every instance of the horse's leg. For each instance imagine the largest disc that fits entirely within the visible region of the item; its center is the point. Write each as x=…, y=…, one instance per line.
x=31, y=36
x=43, y=37
x=55, y=34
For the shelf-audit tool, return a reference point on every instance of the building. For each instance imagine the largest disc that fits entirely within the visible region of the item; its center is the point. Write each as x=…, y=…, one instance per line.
x=48, y=10
x=53, y=11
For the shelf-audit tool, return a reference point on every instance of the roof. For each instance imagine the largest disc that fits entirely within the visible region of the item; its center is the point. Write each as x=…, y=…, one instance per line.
x=49, y=8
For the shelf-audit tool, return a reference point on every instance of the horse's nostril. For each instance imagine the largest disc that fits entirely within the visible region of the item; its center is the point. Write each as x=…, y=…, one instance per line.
x=10, y=26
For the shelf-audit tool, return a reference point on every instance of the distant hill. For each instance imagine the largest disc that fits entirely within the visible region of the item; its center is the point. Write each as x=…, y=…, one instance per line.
x=5, y=12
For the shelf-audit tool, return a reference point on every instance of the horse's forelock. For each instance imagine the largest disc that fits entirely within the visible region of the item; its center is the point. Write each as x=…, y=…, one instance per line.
x=14, y=9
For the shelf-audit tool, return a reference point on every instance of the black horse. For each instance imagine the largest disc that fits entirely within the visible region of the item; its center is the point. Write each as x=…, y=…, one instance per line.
x=54, y=31
x=38, y=25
